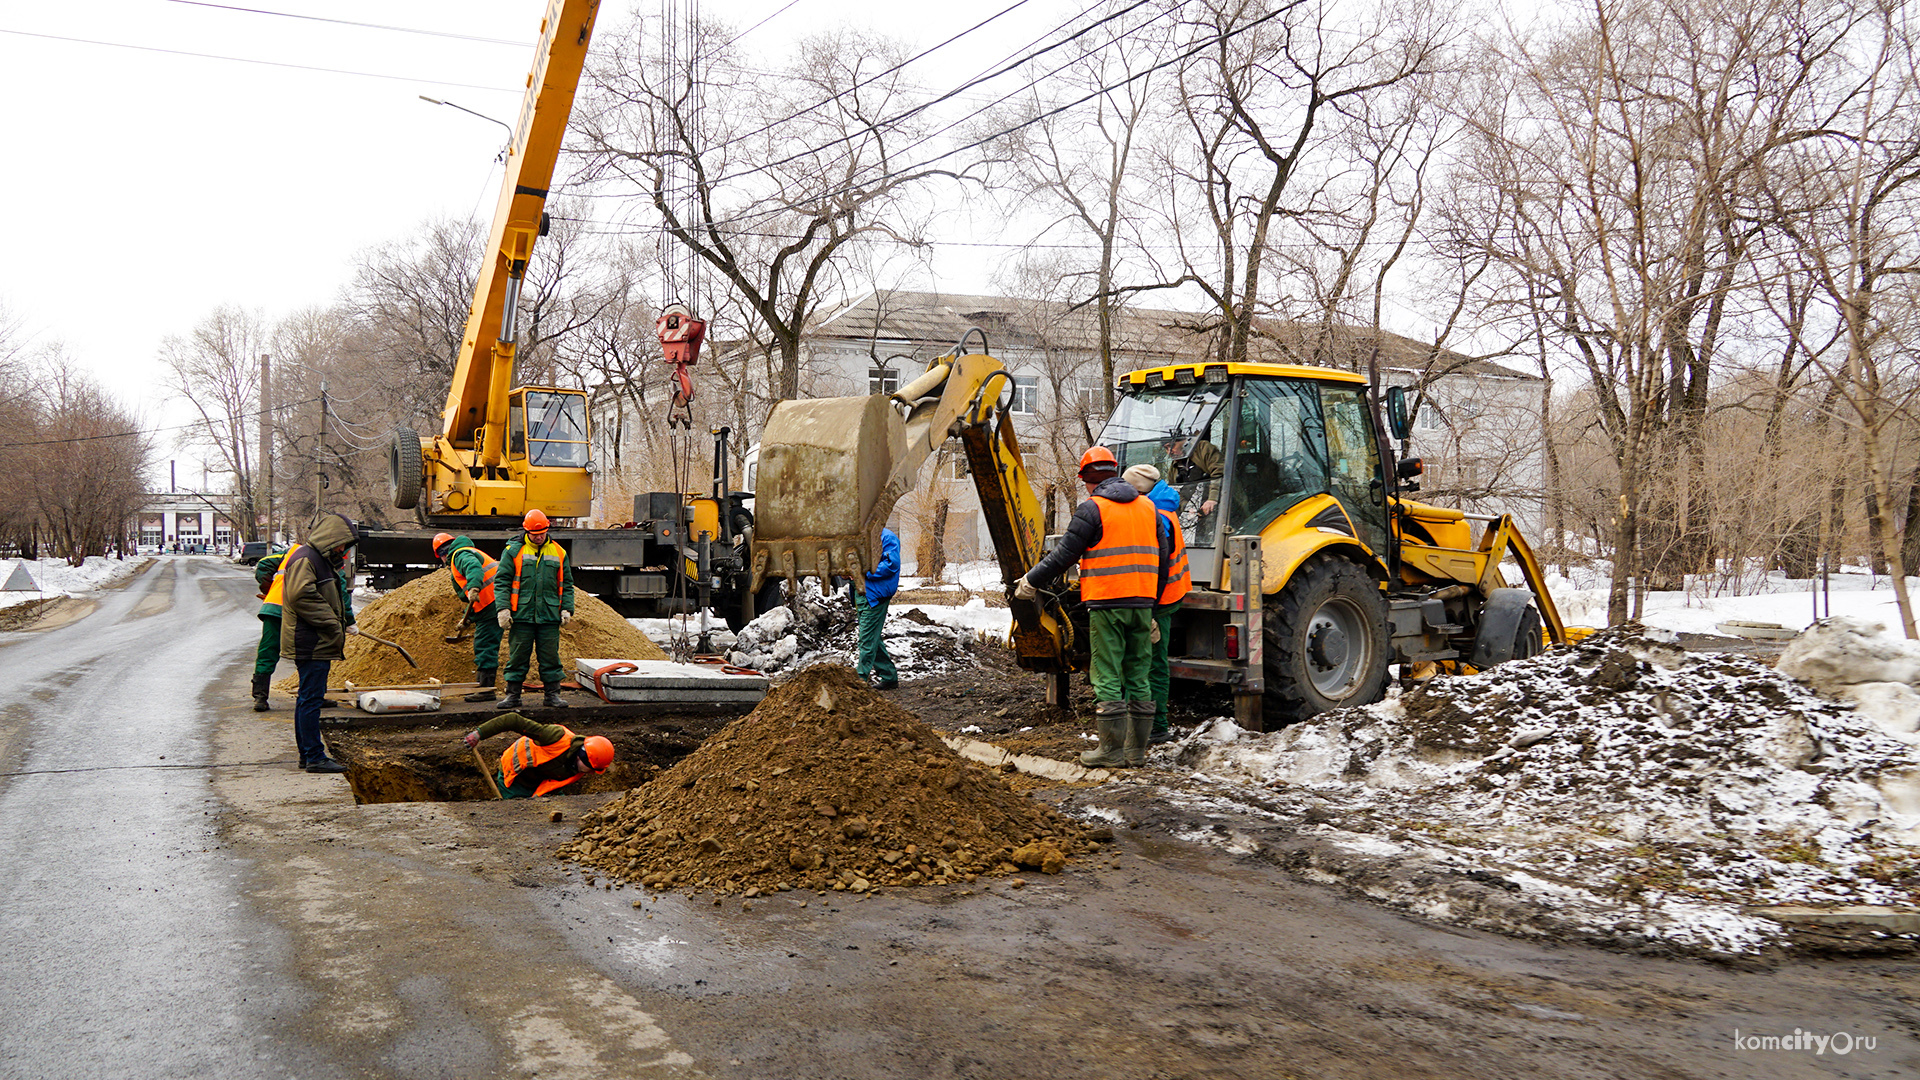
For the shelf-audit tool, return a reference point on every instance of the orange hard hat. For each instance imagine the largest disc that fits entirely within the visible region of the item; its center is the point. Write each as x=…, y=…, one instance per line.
x=440, y=541
x=535, y=521
x=1100, y=461
x=599, y=752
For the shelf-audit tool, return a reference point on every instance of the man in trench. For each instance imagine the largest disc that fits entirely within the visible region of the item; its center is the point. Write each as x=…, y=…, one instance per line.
x=545, y=758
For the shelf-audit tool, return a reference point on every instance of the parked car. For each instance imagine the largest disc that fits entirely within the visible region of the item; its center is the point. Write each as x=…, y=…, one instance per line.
x=253, y=552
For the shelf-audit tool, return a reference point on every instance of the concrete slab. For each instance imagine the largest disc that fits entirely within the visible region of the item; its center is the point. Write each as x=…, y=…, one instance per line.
x=1885, y=919
x=666, y=680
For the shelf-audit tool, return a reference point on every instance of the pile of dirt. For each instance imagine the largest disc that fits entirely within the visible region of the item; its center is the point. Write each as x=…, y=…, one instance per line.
x=1621, y=771
x=826, y=785
x=419, y=614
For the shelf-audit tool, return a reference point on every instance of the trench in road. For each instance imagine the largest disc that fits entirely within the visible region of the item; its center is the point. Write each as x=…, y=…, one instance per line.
x=132, y=951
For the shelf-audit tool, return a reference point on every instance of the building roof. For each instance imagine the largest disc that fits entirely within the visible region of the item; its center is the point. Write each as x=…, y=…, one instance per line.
x=1143, y=336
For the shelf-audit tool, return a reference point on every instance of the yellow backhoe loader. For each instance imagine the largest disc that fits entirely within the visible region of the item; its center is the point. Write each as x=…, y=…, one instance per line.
x=1312, y=570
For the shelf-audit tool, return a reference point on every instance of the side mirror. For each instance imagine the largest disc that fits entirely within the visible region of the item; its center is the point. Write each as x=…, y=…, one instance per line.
x=1398, y=422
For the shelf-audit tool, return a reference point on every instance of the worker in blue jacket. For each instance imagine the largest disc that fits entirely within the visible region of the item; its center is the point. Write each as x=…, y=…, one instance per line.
x=882, y=582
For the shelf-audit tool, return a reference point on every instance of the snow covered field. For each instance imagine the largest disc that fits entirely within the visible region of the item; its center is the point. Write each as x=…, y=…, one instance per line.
x=55, y=578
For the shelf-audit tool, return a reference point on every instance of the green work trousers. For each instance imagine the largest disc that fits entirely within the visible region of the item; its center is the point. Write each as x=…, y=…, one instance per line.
x=522, y=640
x=267, y=657
x=1122, y=655
x=873, y=643
x=486, y=641
x=1159, y=678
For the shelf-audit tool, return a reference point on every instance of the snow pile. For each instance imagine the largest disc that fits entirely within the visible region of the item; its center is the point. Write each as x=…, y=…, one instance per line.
x=922, y=639
x=1852, y=659
x=1621, y=771
x=56, y=578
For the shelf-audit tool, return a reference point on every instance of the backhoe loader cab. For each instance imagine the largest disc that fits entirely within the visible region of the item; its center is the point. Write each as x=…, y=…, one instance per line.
x=1312, y=575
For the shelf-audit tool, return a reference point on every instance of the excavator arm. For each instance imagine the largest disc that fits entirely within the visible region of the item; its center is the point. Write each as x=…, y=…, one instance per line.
x=832, y=469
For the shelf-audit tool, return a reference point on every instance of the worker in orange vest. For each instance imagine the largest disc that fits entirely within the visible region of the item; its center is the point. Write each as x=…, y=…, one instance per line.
x=1124, y=563
x=544, y=759
x=533, y=599
x=1146, y=480
x=473, y=573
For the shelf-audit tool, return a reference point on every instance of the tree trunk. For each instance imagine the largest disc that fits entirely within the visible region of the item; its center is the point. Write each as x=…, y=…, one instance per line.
x=936, y=544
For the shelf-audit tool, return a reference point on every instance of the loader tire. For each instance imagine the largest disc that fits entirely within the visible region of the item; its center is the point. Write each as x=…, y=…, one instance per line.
x=1326, y=642
x=403, y=468
x=1509, y=629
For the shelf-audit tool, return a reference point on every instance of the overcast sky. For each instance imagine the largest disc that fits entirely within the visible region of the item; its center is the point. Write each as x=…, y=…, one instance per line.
x=147, y=186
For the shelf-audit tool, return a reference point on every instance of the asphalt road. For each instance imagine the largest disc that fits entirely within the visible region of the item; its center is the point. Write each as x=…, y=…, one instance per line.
x=131, y=949
x=180, y=901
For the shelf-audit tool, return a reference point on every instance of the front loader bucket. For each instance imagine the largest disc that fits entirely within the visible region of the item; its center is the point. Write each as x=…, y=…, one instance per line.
x=825, y=487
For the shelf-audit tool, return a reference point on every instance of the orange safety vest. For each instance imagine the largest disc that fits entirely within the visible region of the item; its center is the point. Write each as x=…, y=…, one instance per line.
x=525, y=754
x=485, y=599
x=1125, y=564
x=276, y=592
x=520, y=574
x=1179, y=582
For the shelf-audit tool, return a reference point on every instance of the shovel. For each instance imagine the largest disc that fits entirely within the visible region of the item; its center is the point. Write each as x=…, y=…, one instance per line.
x=459, y=631
x=394, y=645
x=486, y=773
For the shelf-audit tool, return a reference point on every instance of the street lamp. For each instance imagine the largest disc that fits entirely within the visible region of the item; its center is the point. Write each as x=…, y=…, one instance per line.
x=502, y=156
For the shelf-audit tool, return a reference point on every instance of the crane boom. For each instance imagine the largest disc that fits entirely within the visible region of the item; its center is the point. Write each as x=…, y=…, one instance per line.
x=477, y=398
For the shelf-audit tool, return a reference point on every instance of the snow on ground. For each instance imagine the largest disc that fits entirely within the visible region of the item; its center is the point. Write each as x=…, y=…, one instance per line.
x=923, y=639
x=56, y=578
x=1769, y=598
x=1620, y=787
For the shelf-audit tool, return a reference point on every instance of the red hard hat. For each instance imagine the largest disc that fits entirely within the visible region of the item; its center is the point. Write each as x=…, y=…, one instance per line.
x=440, y=541
x=535, y=521
x=1098, y=460
x=599, y=752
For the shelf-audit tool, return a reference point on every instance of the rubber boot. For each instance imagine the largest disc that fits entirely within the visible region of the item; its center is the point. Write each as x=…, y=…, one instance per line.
x=551, y=699
x=260, y=691
x=1139, y=730
x=485, y=693
x=512, y=700
x=1110, y=722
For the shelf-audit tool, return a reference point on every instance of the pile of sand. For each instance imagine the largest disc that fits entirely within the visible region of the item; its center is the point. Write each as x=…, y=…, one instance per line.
x=825, y=785
x=419, y=614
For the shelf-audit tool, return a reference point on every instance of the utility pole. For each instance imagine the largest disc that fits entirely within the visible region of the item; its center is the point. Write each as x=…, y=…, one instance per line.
x=263, y=514
x=319, y=448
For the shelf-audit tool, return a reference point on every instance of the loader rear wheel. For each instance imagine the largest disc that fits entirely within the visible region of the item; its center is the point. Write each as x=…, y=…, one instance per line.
x=403, y=468
x=1326, y=642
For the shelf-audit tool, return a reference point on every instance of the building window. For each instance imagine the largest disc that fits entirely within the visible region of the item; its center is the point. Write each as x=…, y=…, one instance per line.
x=882, y=380
x=1093, y=402
x=1026, y=394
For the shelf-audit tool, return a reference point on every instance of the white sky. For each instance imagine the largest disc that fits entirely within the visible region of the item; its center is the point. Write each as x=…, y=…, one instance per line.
x=148, y=187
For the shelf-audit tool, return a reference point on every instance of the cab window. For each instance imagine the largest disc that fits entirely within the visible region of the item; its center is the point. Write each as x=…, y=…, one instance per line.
x=556, y=430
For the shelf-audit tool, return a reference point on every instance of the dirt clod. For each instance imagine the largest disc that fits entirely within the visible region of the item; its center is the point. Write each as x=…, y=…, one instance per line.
x=827, y=810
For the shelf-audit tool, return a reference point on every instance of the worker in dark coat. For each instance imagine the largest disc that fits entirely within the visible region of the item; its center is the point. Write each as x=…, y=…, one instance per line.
x=317, y=617
x=545, y=758
x=1124, y=562
x=872, y=599
x=533, y=599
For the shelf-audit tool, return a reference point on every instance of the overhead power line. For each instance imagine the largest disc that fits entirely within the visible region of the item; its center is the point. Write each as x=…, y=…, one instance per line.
x=261, y=63
x=154, y=431
x=364, y=25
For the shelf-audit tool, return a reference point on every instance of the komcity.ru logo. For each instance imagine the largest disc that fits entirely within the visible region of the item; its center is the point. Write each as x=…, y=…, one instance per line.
x=1840, y=1042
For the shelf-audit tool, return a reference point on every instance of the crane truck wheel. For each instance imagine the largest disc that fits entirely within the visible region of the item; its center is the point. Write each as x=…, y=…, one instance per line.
x=1326, y=642
x=403, y=468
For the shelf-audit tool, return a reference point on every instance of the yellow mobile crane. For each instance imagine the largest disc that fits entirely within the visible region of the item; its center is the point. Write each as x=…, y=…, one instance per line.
x=1312, y=569
x=504, y=449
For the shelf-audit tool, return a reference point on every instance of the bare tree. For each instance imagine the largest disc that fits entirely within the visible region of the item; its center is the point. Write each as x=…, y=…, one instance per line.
x=85, y=463
x=762, y=181
x=215, y=369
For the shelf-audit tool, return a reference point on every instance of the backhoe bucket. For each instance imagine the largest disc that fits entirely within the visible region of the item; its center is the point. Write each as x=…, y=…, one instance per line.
x=825, y=487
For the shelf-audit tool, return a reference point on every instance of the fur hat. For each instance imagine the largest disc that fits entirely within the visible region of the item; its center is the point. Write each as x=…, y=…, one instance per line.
x=1142, y=477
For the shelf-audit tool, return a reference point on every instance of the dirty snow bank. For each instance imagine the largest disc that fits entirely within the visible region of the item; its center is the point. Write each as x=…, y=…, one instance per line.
x=1852, y=659
x=923, y=639
x=56, y=578
x=1632, y=785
